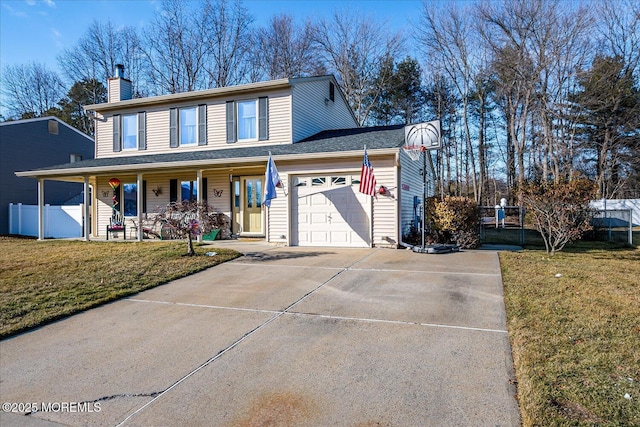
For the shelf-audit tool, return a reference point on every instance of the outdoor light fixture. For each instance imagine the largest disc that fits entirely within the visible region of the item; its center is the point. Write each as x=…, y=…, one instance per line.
x=157, y=191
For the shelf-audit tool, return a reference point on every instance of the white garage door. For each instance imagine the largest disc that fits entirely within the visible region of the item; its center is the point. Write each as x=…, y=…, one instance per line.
x=330, y=211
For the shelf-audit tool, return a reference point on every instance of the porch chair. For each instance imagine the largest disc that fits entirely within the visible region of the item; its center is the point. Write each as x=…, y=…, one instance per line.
x=147, y=232
x=116, y=224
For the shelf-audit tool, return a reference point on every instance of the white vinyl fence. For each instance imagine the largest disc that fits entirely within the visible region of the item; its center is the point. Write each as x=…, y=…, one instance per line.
x=59, y=221
x=619, y=204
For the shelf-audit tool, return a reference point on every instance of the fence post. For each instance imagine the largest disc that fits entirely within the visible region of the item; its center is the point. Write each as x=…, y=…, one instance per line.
x=47, y=214
x=630, y=227
x=522, y=213
x=20, y=218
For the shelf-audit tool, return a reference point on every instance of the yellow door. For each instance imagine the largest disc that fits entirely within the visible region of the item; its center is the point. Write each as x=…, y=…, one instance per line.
x=252, y=205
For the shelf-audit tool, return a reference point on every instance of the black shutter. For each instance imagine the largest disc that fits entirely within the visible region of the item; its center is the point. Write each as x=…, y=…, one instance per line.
x=144, y=196
x=173, y=190
x=173, y=127
x=204, y=189
x=231, y=121
x=117, y=141
x=263, y=118
x=332, y=91
x=142, y=131
x=202, y=125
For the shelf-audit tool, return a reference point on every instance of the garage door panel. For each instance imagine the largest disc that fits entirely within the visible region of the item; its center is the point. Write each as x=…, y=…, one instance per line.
x=318, y=218
x=331, y=212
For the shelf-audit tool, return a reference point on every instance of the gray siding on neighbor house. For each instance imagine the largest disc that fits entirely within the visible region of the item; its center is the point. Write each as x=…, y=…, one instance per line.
x=410, y=186
x=28, y=144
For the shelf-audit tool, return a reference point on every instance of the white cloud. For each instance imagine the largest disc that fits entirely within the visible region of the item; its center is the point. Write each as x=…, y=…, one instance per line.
x=50, y=3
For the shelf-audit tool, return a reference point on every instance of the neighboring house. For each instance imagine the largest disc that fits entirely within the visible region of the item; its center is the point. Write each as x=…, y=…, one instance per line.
x=214, y=145
x=38, y=143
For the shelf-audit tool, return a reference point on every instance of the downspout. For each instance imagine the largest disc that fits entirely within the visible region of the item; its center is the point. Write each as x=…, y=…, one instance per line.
x=139, y=197
x=87, y=209
x=199, y=199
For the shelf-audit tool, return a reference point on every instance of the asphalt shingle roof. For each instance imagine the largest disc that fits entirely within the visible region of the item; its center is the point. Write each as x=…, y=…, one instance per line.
x=330, y=141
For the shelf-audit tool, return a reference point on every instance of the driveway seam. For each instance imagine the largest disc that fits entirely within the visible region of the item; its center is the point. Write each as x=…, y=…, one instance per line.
x=237, y=342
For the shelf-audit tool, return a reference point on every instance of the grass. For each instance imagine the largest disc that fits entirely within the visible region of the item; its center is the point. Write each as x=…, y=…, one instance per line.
x=575, y=338
x=41, y=281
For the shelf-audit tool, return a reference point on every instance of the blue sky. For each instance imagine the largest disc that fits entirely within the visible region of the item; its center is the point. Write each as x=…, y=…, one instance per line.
x=39, y=30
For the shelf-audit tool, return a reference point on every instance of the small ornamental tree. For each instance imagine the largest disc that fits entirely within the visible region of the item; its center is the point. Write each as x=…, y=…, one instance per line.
x=560, y=212
x=188, y=219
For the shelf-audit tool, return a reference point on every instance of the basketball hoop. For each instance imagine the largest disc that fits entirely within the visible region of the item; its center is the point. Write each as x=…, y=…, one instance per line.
x=421, y=137
x=414, y=151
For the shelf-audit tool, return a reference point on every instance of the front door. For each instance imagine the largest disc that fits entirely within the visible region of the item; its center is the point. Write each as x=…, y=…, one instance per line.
x=247, y=205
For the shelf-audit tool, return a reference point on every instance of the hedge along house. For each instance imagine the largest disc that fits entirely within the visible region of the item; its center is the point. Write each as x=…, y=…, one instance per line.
x=213, y=145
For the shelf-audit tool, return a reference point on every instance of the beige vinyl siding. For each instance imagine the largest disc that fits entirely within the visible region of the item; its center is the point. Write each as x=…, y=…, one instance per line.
x=219, y=180
x=310, y=112
x=278, y=217
x=104, y=137
x=385, y=208
x=158, y=126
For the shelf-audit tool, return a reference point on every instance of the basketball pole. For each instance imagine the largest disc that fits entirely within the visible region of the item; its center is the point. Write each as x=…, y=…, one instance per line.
x=424, y=195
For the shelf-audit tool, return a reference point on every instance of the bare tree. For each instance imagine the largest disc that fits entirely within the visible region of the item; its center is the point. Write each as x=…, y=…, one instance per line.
x=449, y=38
x=177, y=48
x=227, y=27
x=353, y=46
x=96, y=54
x=283, y=49
x=30, y=90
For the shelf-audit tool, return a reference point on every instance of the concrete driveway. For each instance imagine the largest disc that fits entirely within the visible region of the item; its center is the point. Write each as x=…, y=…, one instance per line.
x=281, y=337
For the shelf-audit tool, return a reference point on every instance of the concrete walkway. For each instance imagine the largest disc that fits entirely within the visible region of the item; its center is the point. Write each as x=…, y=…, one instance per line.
x=282, y=336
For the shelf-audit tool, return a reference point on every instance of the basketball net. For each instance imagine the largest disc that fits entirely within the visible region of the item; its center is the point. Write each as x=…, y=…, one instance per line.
x=414, y=151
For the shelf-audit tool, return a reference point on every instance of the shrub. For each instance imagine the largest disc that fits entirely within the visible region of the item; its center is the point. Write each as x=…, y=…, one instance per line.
x=560, y=212
x=454, y=220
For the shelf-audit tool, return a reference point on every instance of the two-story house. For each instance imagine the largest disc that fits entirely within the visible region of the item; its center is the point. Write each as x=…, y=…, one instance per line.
x=214, y=145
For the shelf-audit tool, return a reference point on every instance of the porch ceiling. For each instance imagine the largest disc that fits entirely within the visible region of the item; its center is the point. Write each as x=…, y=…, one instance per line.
x=326, y=144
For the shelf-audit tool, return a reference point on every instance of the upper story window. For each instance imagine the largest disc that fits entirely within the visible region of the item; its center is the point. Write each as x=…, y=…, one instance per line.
x=248, y=120
x=188, y=126
x=129, y=132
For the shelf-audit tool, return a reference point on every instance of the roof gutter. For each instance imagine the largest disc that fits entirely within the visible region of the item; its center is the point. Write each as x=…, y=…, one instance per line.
x=207, y=93
x=162, y=166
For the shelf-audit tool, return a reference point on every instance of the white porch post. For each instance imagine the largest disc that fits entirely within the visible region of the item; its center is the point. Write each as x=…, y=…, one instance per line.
x=199, y=199
x=139, y=197
x=87, y=209
x=40, y=209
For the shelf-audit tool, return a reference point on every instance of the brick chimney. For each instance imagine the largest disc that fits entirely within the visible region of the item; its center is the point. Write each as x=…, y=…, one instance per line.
x=119, y=87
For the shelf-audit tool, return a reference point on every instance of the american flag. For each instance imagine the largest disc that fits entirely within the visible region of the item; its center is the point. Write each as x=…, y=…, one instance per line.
x=367, y=180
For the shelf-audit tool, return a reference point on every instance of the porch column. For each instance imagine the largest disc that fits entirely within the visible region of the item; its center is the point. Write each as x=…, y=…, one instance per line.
x=139, y=197
x=87, y=209
x=199, y=199
x=40, y=209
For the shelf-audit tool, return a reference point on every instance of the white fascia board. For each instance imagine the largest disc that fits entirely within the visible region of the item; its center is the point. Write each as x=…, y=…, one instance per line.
x=205, y=163
x=182, y=96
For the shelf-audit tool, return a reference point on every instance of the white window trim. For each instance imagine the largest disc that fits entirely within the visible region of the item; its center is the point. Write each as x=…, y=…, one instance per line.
x=197, y=135
x=122, y=134
x=257, y=120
